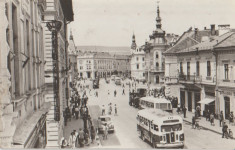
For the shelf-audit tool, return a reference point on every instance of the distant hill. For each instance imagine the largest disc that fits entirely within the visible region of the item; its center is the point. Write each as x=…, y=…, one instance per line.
x=112, y=50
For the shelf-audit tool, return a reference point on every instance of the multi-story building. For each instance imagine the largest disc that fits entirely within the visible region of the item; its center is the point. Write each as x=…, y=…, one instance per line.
x=155, y=61
x=23, y=107
x=59, y=10
x=85, y=64
x=198, y=70
x=122, y=65
x=225, y=83
x=73, y=68
x=187, y=39
x=95, y=64
x=103, y=64
x=137, y=61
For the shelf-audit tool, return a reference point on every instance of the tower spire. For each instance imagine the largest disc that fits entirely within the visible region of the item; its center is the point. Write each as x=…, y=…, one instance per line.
x=158, y=18
x=133, y=45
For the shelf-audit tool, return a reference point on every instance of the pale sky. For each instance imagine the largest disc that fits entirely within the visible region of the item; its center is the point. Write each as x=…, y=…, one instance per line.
x=112, y=22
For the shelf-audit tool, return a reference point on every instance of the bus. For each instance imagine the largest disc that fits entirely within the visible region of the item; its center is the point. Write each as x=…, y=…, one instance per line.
x=156, y=103
x=160, y=128
x=134, y=96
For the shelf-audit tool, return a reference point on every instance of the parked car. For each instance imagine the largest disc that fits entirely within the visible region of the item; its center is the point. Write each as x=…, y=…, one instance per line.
x=102, y=120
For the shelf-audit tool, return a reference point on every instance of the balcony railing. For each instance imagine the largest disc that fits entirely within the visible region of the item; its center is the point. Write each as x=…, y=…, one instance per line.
x=157, y=69
x=192, y=78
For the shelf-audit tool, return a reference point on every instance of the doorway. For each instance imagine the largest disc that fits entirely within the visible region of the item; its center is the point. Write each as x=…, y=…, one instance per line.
x=157, y=79
x=189, y=101
x=182, y=98
x=227, y=107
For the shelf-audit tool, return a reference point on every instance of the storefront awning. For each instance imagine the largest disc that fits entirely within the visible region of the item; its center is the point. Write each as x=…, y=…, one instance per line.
x=206, y=100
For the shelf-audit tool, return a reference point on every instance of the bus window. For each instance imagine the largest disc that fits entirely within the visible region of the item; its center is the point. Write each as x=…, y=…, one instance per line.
x=169, y=128
x=169, y=106
x=156, y=127
x=163, y=106
x=157, y=105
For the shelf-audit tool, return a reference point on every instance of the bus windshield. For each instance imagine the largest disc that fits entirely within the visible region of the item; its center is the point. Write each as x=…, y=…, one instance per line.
x=169, y=128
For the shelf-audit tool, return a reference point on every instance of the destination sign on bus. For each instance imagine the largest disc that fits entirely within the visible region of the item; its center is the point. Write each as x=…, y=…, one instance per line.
x=170, y=121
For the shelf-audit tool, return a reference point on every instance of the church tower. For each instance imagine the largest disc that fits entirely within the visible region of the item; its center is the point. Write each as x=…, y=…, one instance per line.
x=133, y=45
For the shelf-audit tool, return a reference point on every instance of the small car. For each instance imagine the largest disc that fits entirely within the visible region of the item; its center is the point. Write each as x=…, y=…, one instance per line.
x=105, y=120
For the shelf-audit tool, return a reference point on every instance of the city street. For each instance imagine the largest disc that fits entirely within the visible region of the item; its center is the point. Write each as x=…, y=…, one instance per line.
x=125, y=135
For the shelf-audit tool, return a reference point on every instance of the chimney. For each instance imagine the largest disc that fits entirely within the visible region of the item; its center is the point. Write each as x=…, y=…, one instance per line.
x=212, y=29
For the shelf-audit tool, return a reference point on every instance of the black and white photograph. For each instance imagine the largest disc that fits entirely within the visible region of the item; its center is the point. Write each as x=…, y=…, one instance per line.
x=117, y=74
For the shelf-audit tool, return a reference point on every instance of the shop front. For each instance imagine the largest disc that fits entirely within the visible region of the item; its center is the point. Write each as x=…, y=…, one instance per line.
x=32, y=132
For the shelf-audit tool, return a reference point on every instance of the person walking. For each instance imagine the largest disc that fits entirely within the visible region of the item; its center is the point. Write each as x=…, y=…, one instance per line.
x=221, y=118
x=105, y=129
x=212, y=117
x=93, y=134
x=72, y=140
x=81, y=137
x=207, y=115
x=193, y=122
x=63, y=143
x=76, y=112
x=103, y=110
x=110, y=108
x=115, y=108
x=123, y=92
x=224, y=129
x=184, y=111
x=198, y=108
x=178, y=108
x=108, y=92
x=115, y=93
x=231, y=117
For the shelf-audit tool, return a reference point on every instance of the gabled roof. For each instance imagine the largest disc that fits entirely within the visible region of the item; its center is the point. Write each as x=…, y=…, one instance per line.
x=207, y=45
x=228, y=42
x=188, y=39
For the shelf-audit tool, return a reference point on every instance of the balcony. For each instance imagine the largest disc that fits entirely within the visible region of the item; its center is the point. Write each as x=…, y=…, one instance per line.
x=190, y=78
x=157, y=69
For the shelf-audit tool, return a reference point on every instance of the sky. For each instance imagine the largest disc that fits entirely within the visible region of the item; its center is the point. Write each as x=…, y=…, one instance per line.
x=113, y=22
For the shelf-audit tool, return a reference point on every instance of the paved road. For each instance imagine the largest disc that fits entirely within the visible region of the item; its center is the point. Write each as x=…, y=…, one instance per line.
x=126, y=136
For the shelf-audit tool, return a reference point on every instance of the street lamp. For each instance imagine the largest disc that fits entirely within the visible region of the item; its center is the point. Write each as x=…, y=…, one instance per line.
x=54, y=26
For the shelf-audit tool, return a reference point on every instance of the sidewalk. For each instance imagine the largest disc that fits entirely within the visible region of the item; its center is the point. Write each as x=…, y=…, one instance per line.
x=206, y=124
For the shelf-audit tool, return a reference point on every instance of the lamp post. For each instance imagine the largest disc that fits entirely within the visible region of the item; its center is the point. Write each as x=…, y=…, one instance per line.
x=54, y=26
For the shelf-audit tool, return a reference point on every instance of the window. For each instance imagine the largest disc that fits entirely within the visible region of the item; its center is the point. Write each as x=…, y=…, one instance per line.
x=156, y=55
x=143, y=65
x=137, y=66
x=137, y=58
x=181, y=67
x=188, y=68
x=143, y=59
x=143, y=75
x=157, y=64
x=197, y=68
x=226, y=71
x=208, y=68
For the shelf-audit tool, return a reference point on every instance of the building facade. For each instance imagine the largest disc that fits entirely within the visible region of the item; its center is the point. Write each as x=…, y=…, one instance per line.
x=85, y=65
x=137, y=61
x=23, y=48
x=59, y=10
x=122, y=65
x=225, y=87
x=155, y=61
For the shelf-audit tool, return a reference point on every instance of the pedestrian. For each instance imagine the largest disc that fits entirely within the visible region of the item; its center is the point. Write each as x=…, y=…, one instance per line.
x=63, y=143
x=207, y=115
x=86, y=136
x=184, y=111
x=115, y=108
x=103, y=110
x=224, y=129
x=93, y=134
x=198, y=108
x=108, y=92
x=110, y=108
x=193, y=122
x=115, y=93
x=72, y=140
x=81, y=137
x=123, y=92
x=76, y=112
x=96, y=93
x=178, y=108
x=105, y=128
x=212, y=117
x=221, y=118
x=231, y=117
